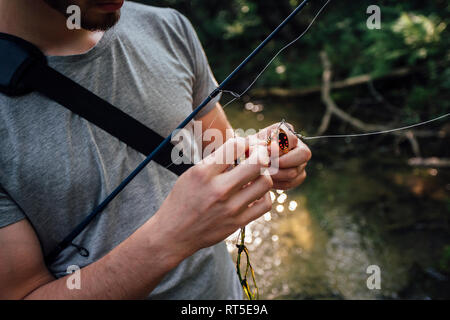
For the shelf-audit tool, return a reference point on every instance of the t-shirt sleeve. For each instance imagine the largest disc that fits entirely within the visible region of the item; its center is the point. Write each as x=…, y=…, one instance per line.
x=204, y=80
x=9, y=211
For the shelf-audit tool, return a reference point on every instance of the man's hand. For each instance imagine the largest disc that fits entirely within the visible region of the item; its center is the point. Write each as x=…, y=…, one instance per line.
x=209, y=202
x=292, y=165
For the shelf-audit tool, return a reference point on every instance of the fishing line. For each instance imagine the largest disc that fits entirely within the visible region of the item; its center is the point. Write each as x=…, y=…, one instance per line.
x=237, y=96
x=103, y=204
x=302, y=137
x=278, y=53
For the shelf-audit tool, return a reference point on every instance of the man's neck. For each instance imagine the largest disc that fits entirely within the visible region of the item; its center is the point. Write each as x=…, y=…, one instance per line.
x=36, y=22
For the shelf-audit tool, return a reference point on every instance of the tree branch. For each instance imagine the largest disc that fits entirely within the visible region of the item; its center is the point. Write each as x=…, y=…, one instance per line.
x=333, y=109
x=349, y=82
x=429, y=162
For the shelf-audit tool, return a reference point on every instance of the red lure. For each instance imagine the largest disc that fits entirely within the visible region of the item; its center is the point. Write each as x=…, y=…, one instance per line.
x=283, y=141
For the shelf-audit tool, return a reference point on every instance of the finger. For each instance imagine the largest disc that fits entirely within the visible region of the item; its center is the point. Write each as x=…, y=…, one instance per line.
x=254, y=144
x=258, y=208
x=286, y=174
x=299, y=155
x=265, y=133
x=284, y=185
x=256, y=190
x=289, y=174
x=226, y=155
x=247, y=170
x=274, y=149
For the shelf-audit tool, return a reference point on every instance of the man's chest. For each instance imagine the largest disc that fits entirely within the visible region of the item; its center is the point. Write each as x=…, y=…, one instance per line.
x=50, y=149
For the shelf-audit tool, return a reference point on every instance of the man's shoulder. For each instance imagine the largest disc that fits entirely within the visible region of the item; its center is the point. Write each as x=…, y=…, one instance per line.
x=143, y=24
x=152, y=14
x=135, y=8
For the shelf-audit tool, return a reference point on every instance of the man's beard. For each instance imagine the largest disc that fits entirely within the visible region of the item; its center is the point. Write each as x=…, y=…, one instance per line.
x=89, y=20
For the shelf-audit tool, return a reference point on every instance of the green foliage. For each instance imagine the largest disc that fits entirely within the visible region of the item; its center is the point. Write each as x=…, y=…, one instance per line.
x=445, y=260
x=414, y=34
x=420, y=97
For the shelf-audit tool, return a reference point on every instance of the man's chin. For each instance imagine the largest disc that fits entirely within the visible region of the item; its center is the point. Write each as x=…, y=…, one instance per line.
x=103, y=23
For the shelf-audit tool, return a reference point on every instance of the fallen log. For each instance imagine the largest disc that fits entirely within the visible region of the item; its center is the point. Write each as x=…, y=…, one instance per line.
x=432, y=162
x=346, y=83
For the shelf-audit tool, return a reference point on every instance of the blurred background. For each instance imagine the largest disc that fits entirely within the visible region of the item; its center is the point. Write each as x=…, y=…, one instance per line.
x=380, y=200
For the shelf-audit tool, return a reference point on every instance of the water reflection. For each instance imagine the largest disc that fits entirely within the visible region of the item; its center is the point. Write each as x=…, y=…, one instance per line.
x=292, y=205
x=295, y=258
x=352, y=212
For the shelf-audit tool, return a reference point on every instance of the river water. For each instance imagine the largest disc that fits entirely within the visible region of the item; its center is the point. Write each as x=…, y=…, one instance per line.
x=361, y=206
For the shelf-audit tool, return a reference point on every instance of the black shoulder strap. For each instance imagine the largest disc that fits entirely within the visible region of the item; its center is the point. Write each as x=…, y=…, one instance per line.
x=23, y=68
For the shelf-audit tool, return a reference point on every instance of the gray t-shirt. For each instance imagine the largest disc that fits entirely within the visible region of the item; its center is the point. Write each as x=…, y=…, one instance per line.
x=55, y=166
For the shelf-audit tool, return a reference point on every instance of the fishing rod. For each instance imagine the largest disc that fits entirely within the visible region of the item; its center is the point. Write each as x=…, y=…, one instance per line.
x=80, y=227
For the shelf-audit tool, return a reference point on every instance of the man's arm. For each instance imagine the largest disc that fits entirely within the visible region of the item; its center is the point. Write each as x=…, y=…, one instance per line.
x=215, y=119
x=23, y=274
x=206, y=205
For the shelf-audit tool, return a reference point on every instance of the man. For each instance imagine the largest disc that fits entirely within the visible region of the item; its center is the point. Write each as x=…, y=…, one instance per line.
x=162, y=237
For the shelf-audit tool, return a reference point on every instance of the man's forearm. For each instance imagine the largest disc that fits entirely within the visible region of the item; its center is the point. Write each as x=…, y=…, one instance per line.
x=131, y=271
x=216, y=119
